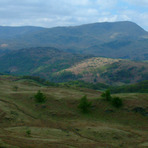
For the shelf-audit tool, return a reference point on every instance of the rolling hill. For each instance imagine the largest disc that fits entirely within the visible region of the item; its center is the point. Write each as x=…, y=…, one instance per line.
x=38, y=61
x=58, y=66
x=110, y=71
x=59, y=123
x=124, y=39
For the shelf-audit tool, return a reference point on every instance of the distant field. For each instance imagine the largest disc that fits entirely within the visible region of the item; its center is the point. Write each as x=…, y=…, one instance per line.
x=58, y=123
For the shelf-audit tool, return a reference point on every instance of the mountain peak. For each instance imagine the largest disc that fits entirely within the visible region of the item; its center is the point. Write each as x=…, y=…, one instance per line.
x=122, y=39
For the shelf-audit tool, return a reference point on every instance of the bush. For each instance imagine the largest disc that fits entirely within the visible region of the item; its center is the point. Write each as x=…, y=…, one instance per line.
x=117, y=102
x=106, y=95
x=40, y=97
x=84, y=105
x=15, y=88
x=28, y=132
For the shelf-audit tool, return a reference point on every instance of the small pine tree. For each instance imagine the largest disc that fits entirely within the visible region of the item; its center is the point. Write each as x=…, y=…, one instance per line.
x=40, y=97
x=106, y=95
x=117, y=102
x=28, y=132
x=84, y=104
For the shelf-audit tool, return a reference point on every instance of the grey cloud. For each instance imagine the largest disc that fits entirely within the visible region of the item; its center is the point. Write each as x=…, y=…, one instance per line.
x=143, y=3
x=45, y=11
x=49, y=13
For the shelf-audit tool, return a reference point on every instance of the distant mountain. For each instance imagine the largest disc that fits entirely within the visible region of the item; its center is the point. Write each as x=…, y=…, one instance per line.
x=11, y=32
x=124, y=39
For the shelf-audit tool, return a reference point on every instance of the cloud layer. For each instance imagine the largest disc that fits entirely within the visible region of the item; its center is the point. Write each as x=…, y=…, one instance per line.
x=50, y=13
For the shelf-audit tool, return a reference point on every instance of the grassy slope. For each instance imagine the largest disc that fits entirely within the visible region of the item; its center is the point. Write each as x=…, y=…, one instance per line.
x=58, y=122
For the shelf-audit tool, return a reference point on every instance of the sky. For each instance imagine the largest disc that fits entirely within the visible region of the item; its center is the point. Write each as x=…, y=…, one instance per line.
x=51, y=13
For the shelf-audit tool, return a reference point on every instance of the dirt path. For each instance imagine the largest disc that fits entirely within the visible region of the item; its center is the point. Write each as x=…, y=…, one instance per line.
x=18, y=108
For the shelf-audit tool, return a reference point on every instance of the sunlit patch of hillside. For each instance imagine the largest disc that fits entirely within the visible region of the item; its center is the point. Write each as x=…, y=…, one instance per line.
x=91, y=64
x=107, y=70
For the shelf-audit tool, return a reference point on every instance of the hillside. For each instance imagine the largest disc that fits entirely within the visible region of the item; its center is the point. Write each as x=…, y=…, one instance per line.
x=59, y=123
x=111, y=71
x=124, y=39
x=37, y=61
x=137, y=87
x=58, y=66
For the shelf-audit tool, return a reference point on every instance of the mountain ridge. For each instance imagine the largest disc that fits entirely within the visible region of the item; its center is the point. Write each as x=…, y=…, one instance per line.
x=122, y=39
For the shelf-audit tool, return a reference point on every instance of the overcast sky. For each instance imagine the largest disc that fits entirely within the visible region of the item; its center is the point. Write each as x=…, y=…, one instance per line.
x=50, y=13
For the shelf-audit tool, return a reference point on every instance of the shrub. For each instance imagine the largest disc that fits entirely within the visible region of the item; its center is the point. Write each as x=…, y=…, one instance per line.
x=117, y=102
x=84, y=104
x=40, y=97
x=28, y=132
x=15, y=88
x=106, y=95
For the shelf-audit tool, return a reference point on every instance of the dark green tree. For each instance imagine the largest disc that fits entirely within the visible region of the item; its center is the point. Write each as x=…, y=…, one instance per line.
x=28, y=132
x=40, y=97
x=117, y=102
x=106, y=95
x=84, y=104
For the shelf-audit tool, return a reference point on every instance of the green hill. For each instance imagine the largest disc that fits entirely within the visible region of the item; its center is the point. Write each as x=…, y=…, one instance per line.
x=107, y=70
x=58, y=66
x=38, y=61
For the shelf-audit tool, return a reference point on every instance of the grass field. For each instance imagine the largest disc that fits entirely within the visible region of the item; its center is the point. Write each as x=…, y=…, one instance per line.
x=58, y=123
